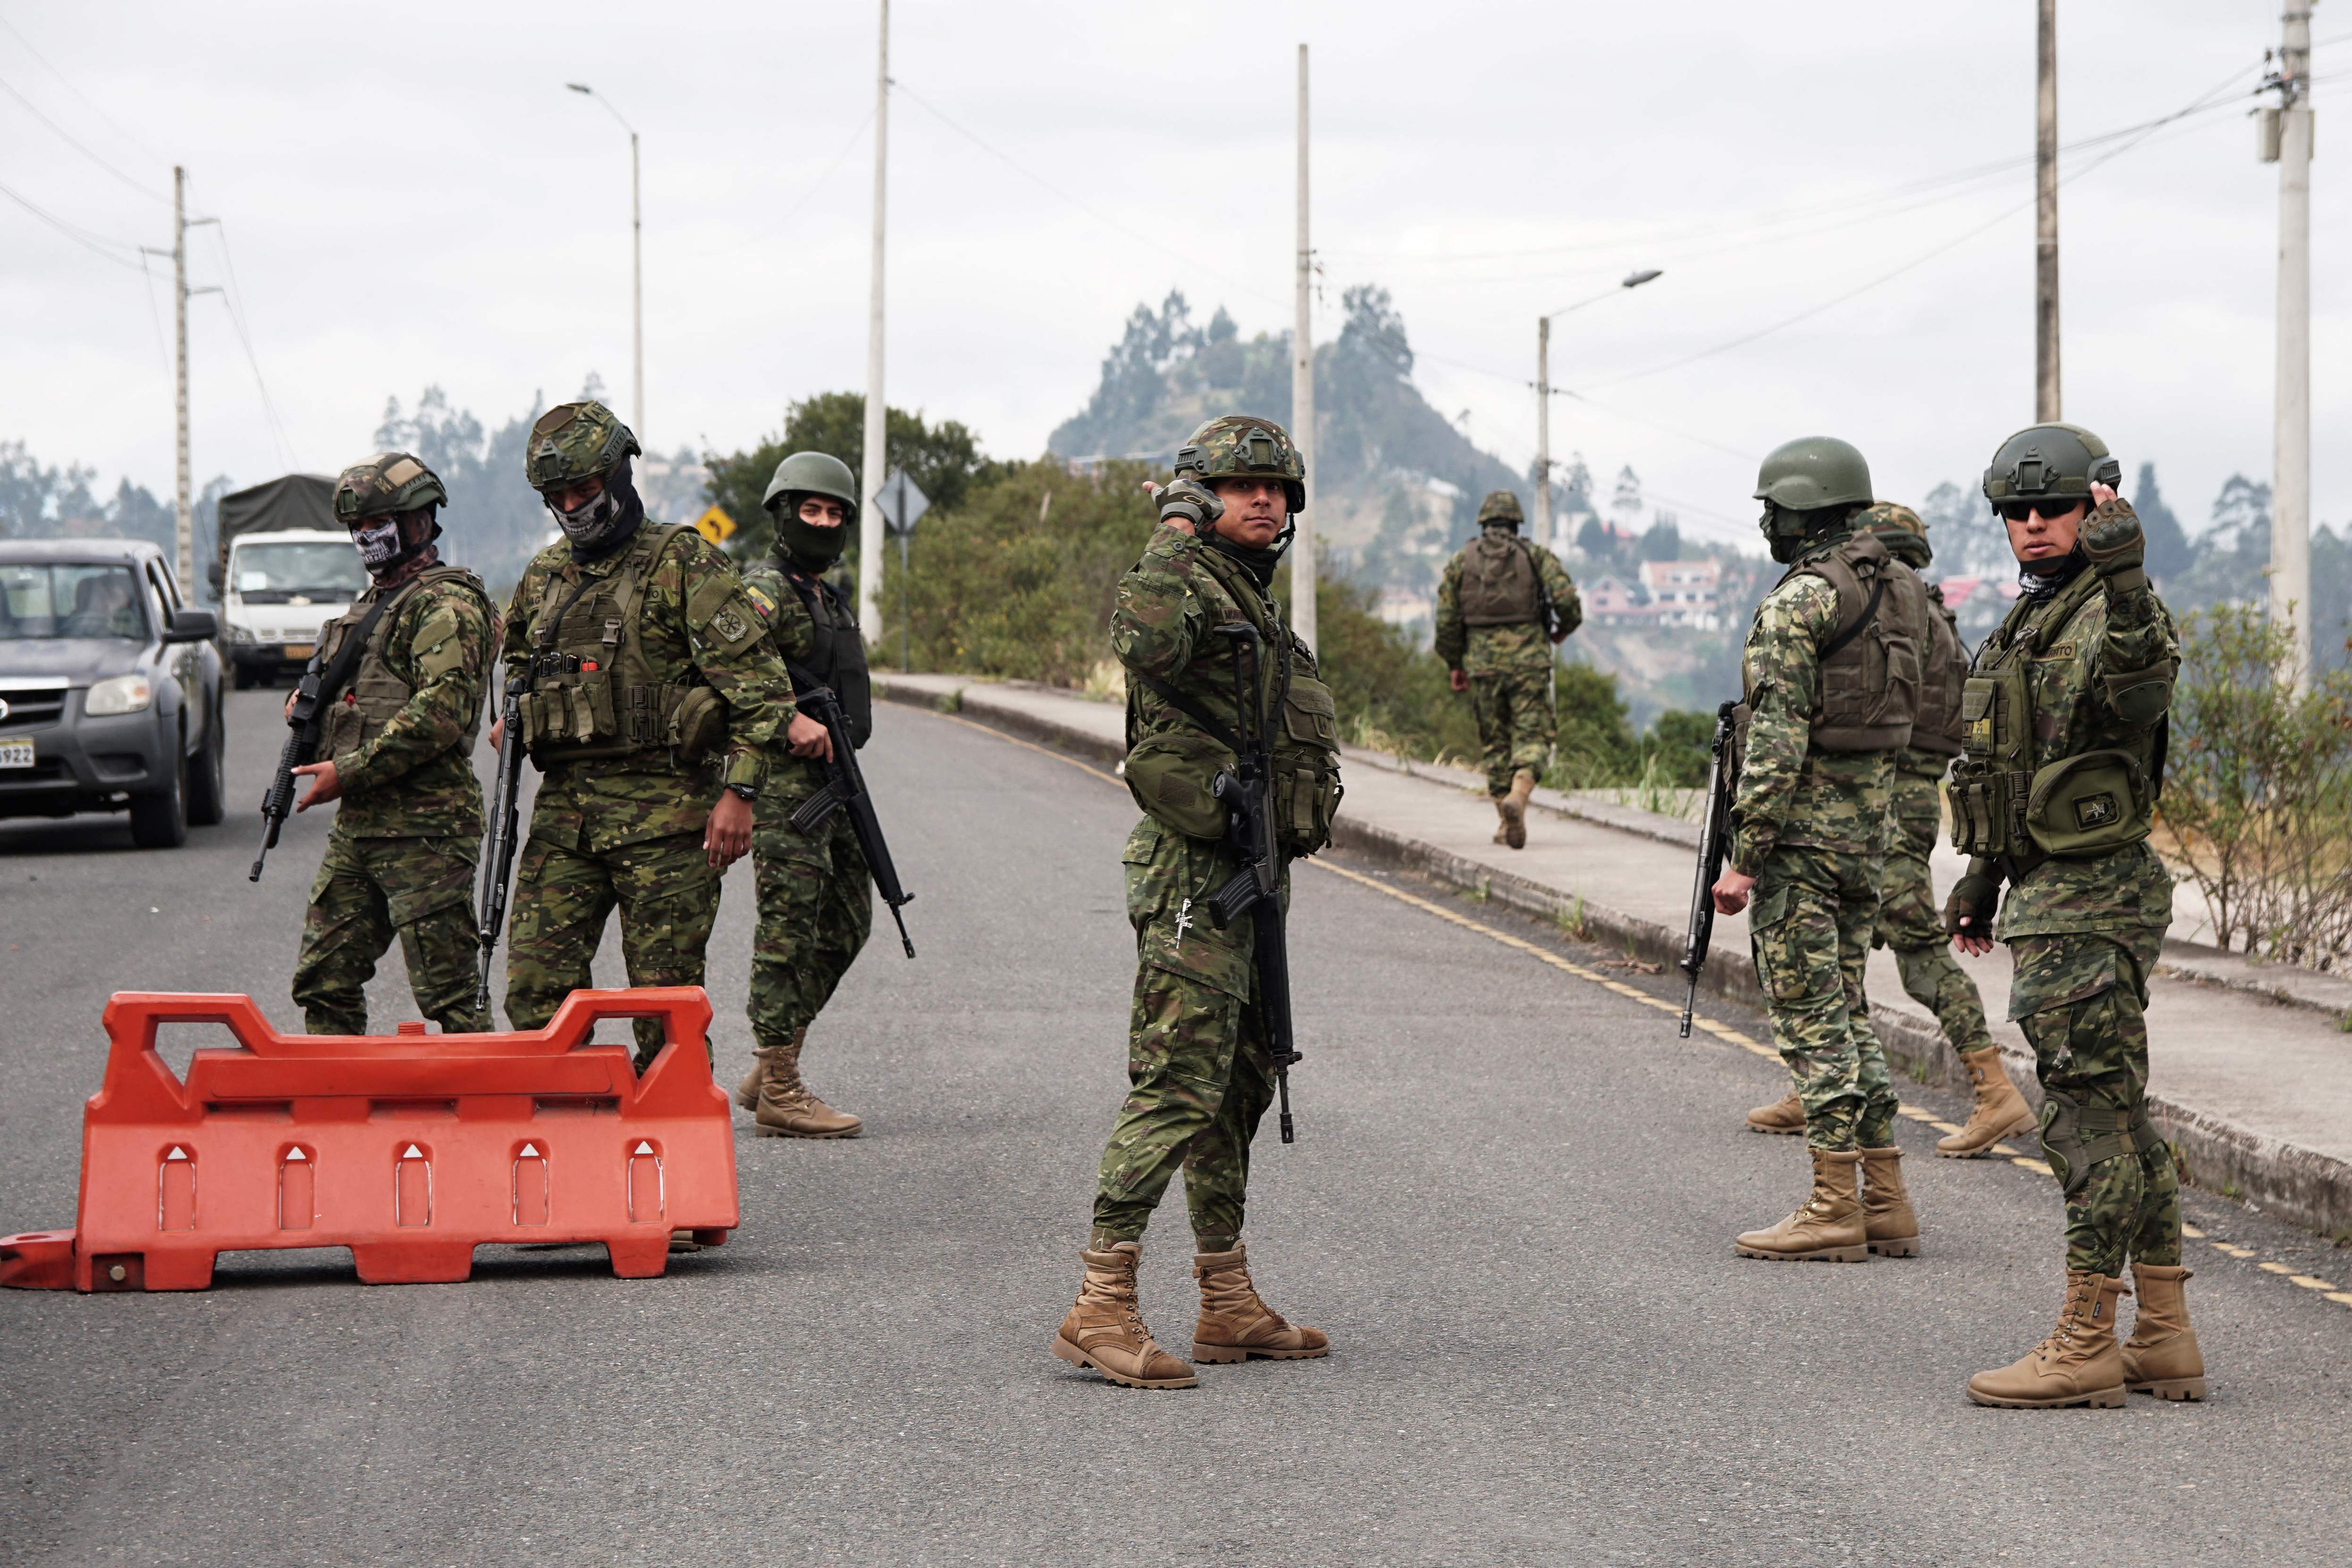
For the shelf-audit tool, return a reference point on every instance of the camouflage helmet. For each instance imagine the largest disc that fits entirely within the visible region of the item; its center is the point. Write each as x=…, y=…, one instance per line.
x=574, y=441
x=1500, y=506
x=1889, y=514
x=1240, y=447
x=2055, y=460
x=813, y=473
x=1813, y=471
x=387, y=483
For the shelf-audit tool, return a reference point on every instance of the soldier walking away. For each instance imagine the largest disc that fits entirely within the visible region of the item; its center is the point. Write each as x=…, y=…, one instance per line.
x=396, y=750
x=1198, y=1051
x=653, y=699
x=1908, y=919
x=1831, y=681
x=1502, y=605
x=2066, y=701
x=817, y=899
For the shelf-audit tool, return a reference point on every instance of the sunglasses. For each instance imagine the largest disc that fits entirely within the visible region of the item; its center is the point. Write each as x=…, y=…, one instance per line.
x=2052, y=510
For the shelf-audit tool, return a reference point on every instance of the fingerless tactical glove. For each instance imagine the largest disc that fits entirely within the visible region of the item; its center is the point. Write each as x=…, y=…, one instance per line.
x=1191, y=501
x=1976, y=898
x=2112, y=542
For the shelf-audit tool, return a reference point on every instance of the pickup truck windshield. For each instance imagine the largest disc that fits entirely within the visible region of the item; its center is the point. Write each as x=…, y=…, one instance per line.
x=328, y=572
x=60, y=600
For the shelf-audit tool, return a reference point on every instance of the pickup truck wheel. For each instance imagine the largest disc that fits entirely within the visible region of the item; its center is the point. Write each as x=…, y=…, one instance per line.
x=159, y=821
x=206, y=803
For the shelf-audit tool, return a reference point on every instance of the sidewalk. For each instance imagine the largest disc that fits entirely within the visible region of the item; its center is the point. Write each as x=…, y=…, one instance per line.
x=2250, y=1070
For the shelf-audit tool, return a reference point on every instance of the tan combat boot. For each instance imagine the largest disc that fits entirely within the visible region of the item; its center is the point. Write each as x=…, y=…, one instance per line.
x=747, y=1093
x=1783, y=1115
x=2161, y=1357
x=2001, y=1112
x=1503, y=819
x=1235, y=1324
x=1514, y=809
x=2079, y=1363
x=1105, y=1331
x=787, y=1108
x=1888, y=1226
x=1828, y=1229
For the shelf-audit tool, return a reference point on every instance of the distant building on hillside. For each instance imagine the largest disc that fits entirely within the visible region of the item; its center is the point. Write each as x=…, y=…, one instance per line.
x=1682, y=593
x=1610, y=601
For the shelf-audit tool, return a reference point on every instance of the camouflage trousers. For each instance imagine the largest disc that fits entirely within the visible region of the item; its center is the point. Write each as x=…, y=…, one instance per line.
x=1808, y=925
x=816, y=910
x=2082, y=1000
x=1516, y=723
x=370, y=891
x=1912, y=924
x=666, y=893
x=1196, y=1051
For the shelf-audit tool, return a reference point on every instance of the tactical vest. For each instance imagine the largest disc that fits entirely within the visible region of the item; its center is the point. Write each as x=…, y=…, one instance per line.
x=376, y=694
x=1499, y=585
x=837, y=651
x=592, y=694
x=2005, y=807
x=1169, y=774
x=1868, y=690
x=1936, y=726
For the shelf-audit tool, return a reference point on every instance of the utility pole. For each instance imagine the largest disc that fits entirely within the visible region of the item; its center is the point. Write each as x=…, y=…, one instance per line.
x=1543, y=434
x=2046, y=221
x=184, y=505
x=876, y=463
x=637, y=292
x=1302, y=395
x=2287, y=138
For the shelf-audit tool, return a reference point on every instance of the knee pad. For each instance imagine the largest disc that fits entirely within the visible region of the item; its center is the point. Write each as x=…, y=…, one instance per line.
x=2076, y=1136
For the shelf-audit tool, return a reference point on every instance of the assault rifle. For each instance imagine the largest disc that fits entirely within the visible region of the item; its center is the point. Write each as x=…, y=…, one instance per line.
x=1256, y=888
x=498, y=856
x=845, y=787
x=1714, y=843
x=305, y=717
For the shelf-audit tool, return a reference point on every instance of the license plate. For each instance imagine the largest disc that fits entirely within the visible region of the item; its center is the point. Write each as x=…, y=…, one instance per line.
x=16, y=753
x=300, y=649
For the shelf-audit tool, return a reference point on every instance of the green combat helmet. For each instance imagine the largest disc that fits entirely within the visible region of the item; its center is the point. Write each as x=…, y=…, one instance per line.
x=812, y=474
x=1500, y=506
x=1241, y=445
x=387, y=483
x=2053, y=461
x=574, y=441
x=1802, y=479
x=1901, y=530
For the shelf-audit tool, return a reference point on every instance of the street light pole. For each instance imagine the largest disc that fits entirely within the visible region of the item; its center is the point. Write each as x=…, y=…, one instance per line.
x=637, y=270
x=876, y=459
x=1543, y=394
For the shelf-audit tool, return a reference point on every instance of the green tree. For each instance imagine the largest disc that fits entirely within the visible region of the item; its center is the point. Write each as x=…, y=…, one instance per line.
x=945, y=459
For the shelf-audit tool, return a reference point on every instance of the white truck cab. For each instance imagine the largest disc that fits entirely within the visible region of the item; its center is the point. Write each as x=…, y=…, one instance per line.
x=280, y=590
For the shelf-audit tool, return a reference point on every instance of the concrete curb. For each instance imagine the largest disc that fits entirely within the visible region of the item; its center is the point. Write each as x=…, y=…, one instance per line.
x=2294, y=1184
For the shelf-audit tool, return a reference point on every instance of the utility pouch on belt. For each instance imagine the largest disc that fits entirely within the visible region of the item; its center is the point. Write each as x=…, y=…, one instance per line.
x=698, y=731
x=2089, y=804
x=1307, y=765
x=1168, y=774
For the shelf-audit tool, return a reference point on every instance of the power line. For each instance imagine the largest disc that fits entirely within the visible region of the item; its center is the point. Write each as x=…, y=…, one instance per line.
x=68, y=138
x=808, y=196
x=87, y=102
x=1095, y=213
x=233, y=297
x=94, y=243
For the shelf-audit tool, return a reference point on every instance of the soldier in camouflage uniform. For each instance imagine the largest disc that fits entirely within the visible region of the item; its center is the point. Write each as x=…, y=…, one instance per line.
x=397, y=746
x=1830, y=679
x=655, y=697
x=816, y=897
x=2071, y=694
x=1908, y=919
x=1198, y=1059
x=1502, y=603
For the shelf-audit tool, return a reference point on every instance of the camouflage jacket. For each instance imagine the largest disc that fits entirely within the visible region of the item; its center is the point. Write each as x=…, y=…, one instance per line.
x=2071, y=714
x=694, y=620
x=1791, y=791
x=415, y=778
x=1162, y=628
x=1496, y=650
x=791, y=779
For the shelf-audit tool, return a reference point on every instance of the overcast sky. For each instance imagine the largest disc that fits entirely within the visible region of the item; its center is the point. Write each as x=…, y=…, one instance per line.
x=413, y=198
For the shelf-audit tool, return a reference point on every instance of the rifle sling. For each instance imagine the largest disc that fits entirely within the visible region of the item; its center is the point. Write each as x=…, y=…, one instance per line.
x=1869, y=614
x=339, y=674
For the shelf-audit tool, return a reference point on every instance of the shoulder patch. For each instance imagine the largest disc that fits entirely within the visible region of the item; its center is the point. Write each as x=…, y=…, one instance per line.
x=762, y=600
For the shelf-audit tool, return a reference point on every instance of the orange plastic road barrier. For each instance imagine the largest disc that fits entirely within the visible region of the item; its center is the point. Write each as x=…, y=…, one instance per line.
x=411, y=1149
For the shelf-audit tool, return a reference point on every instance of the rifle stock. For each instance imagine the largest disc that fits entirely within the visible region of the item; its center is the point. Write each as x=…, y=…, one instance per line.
x=844, y=789
x=498, y=856
x=1715, y=836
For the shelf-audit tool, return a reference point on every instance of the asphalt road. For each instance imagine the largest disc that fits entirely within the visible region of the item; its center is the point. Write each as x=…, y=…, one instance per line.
x=1511, y=1207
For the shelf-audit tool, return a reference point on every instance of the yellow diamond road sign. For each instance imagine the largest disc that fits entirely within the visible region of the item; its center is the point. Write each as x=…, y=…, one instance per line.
x=715, y=526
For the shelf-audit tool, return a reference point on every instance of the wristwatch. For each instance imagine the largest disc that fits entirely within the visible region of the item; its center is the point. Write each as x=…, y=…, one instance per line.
x=748, y=793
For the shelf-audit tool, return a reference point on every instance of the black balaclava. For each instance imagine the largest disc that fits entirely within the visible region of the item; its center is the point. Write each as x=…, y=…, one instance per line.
x=601, y=525
x=1791, y=532
x=813, y=550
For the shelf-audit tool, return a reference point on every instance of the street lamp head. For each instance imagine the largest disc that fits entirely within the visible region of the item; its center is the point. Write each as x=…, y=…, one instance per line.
x=1635, y=279
x=581, y=87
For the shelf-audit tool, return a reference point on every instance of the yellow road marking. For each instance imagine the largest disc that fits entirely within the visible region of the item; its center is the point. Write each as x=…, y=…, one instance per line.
x=1720, y=1030
x=2191, y=1231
